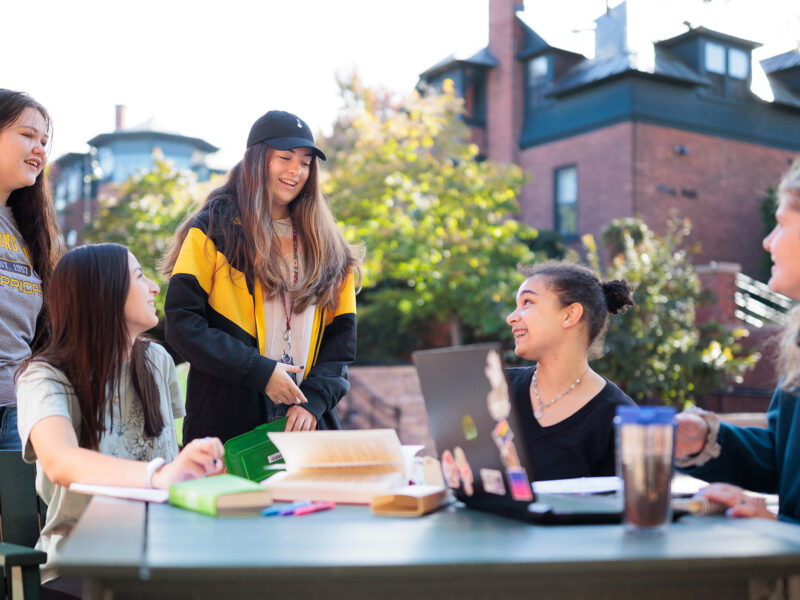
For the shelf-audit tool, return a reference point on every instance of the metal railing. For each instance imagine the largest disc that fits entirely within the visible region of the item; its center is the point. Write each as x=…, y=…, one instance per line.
x=757, y=305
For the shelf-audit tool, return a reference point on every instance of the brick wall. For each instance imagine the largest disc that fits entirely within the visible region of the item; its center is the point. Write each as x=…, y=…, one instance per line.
x=387, y=397
x=605, y=184
x=720, y=280
x=718, y=184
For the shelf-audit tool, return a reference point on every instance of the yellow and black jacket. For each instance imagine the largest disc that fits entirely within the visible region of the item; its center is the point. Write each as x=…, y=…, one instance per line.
x=215, y=320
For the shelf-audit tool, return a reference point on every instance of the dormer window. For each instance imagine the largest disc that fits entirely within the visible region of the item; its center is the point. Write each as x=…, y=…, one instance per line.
x=738, y=63
x=715, y=58
x=538, y=78
x=728, y=70
x=475, y=98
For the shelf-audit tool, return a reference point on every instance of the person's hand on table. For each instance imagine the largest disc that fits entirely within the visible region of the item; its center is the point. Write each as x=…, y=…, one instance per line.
x=200, y=457
x=299, y=419
x=738, y=502
x=280, y=387
x=690, y=436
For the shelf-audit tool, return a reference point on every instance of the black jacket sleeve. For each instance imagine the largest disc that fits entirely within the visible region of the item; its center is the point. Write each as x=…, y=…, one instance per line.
x=218, y=338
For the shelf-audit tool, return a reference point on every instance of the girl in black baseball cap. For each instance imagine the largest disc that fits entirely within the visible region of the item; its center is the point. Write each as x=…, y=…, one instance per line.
x=261, y=297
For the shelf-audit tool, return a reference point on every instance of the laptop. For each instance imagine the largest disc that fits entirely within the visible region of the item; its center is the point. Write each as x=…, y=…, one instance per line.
x=478, y=437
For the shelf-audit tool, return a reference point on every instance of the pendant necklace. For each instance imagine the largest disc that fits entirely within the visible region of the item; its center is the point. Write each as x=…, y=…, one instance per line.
x=287, y=334
x=540, y=406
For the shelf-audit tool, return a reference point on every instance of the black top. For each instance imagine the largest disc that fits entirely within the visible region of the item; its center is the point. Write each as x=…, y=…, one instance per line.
x=582, y=445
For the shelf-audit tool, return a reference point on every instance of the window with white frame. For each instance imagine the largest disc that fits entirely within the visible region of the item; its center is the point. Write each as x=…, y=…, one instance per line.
x=566, y=201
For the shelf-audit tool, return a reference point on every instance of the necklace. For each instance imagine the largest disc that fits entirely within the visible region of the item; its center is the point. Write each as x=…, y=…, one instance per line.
x=540, y=406
x=287, y=338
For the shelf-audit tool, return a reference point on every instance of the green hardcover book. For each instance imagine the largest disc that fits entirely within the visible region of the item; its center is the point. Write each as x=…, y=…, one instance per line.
x=220, y=495
x=251, y=454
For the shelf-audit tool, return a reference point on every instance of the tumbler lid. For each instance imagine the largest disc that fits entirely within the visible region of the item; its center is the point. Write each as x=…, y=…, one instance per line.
x=645, y=415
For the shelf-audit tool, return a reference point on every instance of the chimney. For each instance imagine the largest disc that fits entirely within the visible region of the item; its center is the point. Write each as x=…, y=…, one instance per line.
x=503, y=84
x=611, y=34
x=120, y=118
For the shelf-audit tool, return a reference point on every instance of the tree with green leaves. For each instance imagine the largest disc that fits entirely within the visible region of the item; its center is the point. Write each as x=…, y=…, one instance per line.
x=144, y=212
x=656, y=352
x=438, y=225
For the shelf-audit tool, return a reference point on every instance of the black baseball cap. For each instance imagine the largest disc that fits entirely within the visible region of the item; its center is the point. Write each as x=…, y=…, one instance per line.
x=283, y=131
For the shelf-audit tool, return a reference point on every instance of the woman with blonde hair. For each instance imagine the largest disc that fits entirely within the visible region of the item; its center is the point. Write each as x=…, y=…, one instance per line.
x=755, y=458
x=261, y=298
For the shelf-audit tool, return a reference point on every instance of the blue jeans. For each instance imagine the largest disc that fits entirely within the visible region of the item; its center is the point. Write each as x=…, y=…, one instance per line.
x=9, y=436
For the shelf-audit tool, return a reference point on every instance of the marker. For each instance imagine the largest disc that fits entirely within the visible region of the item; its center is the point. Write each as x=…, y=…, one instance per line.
x=699, y=505
x=313, y=507
x=284, y=509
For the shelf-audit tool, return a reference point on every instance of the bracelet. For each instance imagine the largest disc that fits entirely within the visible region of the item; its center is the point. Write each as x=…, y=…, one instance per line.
x=153, y=466
x=711, y=448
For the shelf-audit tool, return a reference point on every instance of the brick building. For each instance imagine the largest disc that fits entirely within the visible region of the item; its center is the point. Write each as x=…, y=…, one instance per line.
x=637, y=130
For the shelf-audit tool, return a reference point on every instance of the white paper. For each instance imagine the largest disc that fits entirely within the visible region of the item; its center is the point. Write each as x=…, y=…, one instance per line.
x=579, y=485
x=130, y=493
x=409, y=454
x=416, y=491
x=686, y=485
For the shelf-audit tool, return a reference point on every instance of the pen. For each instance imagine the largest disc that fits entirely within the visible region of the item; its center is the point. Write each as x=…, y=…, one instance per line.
x=313, y=507
x=284, y=509
x=699, y=505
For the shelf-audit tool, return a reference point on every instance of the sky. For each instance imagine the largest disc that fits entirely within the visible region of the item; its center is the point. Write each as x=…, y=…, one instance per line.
x=208, y=69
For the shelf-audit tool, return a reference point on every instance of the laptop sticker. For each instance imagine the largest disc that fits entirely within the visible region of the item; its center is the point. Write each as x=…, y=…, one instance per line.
x=503, y=437
x=449, y=470
x=520, y=484
x=464, y=470
x=493, y=483
x=508, y=455
x=502, y=432
x=497, y=398
x=469, y=427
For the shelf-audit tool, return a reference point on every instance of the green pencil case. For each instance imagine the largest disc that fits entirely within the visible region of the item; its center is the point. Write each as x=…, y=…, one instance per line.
x=248, y=454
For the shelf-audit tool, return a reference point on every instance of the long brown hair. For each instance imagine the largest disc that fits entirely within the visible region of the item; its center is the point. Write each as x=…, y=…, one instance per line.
x=789, y=345
x=240, y=214
x=33, y=210
x=89, y=341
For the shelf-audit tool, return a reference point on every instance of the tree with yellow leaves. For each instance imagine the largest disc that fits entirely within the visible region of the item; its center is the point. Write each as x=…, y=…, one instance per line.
x=441, y=238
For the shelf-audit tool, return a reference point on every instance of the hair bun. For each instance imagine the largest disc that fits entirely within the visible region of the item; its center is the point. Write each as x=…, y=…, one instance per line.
x=619, y=295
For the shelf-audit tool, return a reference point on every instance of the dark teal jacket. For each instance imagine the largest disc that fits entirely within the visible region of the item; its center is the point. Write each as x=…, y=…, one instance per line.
x=763, y=460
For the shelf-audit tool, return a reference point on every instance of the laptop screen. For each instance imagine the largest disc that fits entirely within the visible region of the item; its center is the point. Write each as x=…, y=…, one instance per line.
x=475, y=426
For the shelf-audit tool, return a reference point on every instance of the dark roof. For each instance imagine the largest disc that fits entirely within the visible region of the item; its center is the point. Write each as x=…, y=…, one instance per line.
x=150, y=129
x=709, y=33
x=533, y=43
x=781, y=94
x=591, y=71
x=482, y=58
x=69, y=158
x=781, y=62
